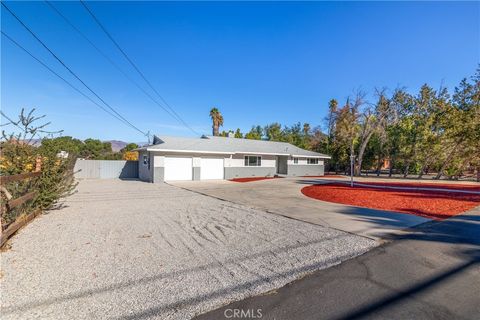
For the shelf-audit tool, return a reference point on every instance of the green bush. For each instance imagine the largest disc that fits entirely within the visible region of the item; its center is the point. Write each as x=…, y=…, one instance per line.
x=18, y=154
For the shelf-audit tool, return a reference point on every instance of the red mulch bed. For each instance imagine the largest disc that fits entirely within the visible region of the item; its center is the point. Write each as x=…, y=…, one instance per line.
x=431, y=204
x=454, y=186
x=251, y=179
x=325, y=176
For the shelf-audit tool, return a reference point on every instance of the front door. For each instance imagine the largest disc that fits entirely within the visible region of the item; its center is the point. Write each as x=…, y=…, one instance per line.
x=282, y=164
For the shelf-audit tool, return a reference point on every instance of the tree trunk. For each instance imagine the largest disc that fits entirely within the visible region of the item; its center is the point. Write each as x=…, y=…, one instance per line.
x=392, y=163
x=358, y=168
x=422, y=169
x=445, y=163
x=215, y=129
x=413, y=157
x=420, y=174
x=361, y=151
x=379, y=166
x=440, y=172
x=406, y=169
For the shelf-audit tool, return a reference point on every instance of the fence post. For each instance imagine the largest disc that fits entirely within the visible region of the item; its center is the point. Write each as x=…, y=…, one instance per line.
x=38, y=164
x=10, y=204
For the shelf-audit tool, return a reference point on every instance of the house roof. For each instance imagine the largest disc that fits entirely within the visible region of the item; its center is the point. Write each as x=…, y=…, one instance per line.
x=224, y=145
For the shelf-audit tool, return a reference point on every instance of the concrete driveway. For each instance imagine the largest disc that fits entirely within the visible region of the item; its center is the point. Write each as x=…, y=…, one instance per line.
x=283, y=197
x=135, y=250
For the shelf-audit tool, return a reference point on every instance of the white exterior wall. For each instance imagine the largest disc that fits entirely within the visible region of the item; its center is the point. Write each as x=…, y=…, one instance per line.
x=302, y=161
x=158, y=161
x=234, y=165
x=235, y=161
x=238, y=160
x=197, y=161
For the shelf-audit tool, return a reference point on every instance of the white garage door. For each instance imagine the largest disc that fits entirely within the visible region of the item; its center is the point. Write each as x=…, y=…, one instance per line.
x=178, y=168
x=211, y=168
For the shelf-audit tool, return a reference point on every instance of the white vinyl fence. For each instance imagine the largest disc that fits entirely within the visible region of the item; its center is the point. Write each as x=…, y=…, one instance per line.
x=106, y=169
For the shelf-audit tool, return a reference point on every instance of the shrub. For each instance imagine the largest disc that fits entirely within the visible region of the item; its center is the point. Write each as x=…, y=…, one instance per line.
x=18, y=154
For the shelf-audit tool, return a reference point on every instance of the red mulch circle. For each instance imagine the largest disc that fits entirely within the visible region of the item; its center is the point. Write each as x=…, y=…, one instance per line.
x=431, y=204
x=251, y=179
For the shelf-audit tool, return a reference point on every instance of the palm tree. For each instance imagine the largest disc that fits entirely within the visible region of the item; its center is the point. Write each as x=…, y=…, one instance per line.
x=217, y=120
x=306, y=128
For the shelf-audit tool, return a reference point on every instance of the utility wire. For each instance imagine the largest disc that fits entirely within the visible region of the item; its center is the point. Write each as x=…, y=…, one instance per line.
x=59, y=76
x=70, y=70
x=107, y=58
x=135, y=66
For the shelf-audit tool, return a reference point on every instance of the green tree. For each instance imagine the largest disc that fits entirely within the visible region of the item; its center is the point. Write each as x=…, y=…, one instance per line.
x=256, y=133
x=318, y=141
x=96, y=149
x=71, y=145
x=306, y=138
x=238, y=133
x=129, y=147
x=462, y=130
x=331, y=117
x=419, y=133
x=294, y=135
x=345, y=136
x=371, y=121
x=225, y=133
x=273, y=132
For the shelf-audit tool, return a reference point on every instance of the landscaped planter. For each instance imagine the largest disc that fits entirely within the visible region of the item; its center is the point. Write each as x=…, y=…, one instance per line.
x=398, y=197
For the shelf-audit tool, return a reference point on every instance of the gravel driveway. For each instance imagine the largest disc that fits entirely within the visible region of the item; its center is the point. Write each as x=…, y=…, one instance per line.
x=134, y=250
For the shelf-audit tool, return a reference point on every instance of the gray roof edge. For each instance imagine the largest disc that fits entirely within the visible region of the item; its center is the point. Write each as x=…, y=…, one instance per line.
x=295, y=151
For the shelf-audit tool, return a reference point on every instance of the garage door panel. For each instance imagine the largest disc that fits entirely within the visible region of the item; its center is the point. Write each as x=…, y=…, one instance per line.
x=211, y=168
x=178, y=168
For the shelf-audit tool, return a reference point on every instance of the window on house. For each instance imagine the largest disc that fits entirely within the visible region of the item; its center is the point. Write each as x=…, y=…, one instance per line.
x=295, y=160
x=253, y=161
x=312, y=161
x=145, y=160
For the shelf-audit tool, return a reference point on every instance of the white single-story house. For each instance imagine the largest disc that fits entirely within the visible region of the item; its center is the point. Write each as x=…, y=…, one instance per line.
x=210, y=157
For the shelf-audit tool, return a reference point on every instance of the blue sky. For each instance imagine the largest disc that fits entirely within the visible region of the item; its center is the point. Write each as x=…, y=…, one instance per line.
x=258, y=62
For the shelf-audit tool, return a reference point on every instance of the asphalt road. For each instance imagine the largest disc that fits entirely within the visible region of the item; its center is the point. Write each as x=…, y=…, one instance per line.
x=433, y=272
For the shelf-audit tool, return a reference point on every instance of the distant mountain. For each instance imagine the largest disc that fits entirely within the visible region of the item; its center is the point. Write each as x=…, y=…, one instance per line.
x=32, y=142
x=142, y=144
x=36, y=142
x=117, y=145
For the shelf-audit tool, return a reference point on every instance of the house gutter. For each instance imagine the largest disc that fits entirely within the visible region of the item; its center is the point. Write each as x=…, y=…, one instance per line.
x=304, y=156
x=231, y=153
